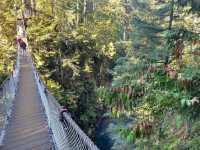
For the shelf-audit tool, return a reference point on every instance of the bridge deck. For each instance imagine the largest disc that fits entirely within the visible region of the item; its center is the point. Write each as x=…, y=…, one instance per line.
x=27, y=129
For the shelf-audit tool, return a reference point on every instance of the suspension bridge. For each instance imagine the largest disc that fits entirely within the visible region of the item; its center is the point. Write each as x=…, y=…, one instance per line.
x=29, y=114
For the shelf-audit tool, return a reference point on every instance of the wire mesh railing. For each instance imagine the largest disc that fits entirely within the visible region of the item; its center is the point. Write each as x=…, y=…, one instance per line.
x=7, y=95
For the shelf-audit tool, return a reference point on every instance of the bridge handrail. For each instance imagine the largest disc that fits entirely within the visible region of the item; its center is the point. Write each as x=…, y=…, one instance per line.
x=8, y=77
x=68, y=120
x=8, y=88
x=67, y=117
x=4, y=81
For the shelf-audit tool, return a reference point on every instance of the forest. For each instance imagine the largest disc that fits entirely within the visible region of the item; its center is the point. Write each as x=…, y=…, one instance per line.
x=118, y=60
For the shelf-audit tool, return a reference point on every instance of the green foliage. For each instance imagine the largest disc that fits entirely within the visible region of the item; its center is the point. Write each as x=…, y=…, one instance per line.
x=117, y=102
x=189, y=72
x=179, y=121
x=7, y=38
x=127, y=134
x=144, y=68
x=118, y=56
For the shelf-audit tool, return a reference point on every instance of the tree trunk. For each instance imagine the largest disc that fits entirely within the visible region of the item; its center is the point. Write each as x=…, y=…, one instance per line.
x=171, y=15
x=28, y=8
x=171, y=18
x=93, y=5
x=77, y=13
x=34, y=7
x=124, y=33
x=61, y=67
x=126, y=20
x=53, y=3
x=84, y=10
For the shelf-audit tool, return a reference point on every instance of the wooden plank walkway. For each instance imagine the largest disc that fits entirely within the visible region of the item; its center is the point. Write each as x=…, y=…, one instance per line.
x=27, y=129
